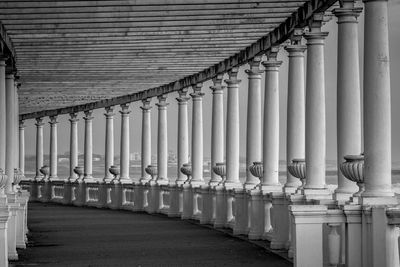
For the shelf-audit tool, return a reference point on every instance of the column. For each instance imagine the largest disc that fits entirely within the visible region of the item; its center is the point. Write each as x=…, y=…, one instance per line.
x=217, y=127
x=183, y=135
x=124, y=151
x=109, y=143
x=73, y=145
x=315, y=108
x=39, y=147
x=146, y=139
x=88, y=150
x=295, y=138
x=197, y=135
x=348, y=93
x=270, y=180
x=377, y=117
x=21, y=147
x=162, y=141
x=16, y=119
x=10, y=135
x=3, y=112
x=53, y=147
x=232, y=131
x=254, y=124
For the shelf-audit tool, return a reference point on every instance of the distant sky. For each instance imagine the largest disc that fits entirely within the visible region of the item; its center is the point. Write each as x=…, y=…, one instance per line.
x=330, y=75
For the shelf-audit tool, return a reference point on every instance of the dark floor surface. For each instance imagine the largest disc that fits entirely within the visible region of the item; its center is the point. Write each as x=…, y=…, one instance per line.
x=71, y=236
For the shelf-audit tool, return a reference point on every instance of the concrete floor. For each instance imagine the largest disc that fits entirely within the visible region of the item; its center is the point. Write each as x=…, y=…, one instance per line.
x=72, y=236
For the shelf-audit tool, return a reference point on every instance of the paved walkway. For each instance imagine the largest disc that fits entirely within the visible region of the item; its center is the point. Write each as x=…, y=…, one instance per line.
x=72, y=236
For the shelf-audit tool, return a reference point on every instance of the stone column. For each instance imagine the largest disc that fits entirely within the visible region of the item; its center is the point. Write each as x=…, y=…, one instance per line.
x=88, y=150
x=377, y=117
x=124, y=151
x=73, y=146
x=183, y=135
x=21, y=159
x=146, y=139
x=254, y=124
x=232, y=131
x=2, y=112
x=270, y=180
x=197, y=135
x=295, y=138
x=162, y=140
x=39, y=147
x=348, y=93
x=109, y=143
x=53, y=147
x=16, y=120
x=217, y=127
x=10, y=135
x=315, y=109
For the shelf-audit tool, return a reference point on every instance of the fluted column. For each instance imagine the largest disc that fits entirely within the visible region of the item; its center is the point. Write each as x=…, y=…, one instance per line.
x=2, y=112
x=348, y=93
x=232, y=131
x=88, y=149
x=197, y=135
x=53, y=147
x=377, y=117
x=270, y=180
x=295, y=138
x=124, y=150
x=183, y=134
x=21, y=159
x=146, y=139
x=254, y=123
x=10, y=135
x=109, y=143
x=162, y=140
x=73, y=145
x=217, y=127
x=315, y=109
x=39, y=147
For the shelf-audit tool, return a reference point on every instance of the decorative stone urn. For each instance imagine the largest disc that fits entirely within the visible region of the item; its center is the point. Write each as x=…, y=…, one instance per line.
x=17, y=176
x=115, y=171
x=353, y=169
x=79, y=171
x=152, y=171
x=257, y=169
x=298, y=169
x=186, y=169
x=45, y=170
x=220, y=169
x=3, y=180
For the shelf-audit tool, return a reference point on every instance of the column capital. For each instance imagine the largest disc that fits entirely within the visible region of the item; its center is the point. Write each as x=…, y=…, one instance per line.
x=197, y=94
x=3, y=59
x=39, y=122
x=254, y=72
x=217, y=88
x=296, y=36
x=73, y=117
x=109, y=112
x=88, y=115
x=21, y=124
x=272, y=53
x=347, y=14
x=125, y=109
x=146, y=104
x=233, y=77
x=162, y=101
x=316, y=21
x=271, y=65
x=182, y=99
x=53, y=120
x=296, y=50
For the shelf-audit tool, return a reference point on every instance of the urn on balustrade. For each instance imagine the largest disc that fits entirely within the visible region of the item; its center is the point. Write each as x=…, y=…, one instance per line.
x=297, y=168
x=220, y=169
x=186, y=169
x=353, y=169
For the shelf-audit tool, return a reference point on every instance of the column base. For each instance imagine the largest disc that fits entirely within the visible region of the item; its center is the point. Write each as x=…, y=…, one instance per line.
x=289, y=190
x=342, y=198
x=316, y=193
x=232, y=185
x=270, y=188
x=162, y=181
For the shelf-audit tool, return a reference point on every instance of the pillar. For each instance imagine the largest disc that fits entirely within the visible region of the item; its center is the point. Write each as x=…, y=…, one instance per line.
x=21, y=160
x=53, y=147
x=10, y=135
x=16, y=119
x=295, y=138
x=315, y=109
x=197, y=135
x=162, y=140
x=232, y=131
x=146, y=139
x=124, y=151
x=348, y=93
x=217, y=127
x=3, y=112
x=39, y=147
x=183, y=135
x=73, y=145
x=88, y=149
x=109, y=143
x=270, y=180
x=377, y=117
x=254, y=124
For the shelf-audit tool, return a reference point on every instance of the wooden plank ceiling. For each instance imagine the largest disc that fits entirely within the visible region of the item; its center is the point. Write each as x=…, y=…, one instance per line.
x=71, y=52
